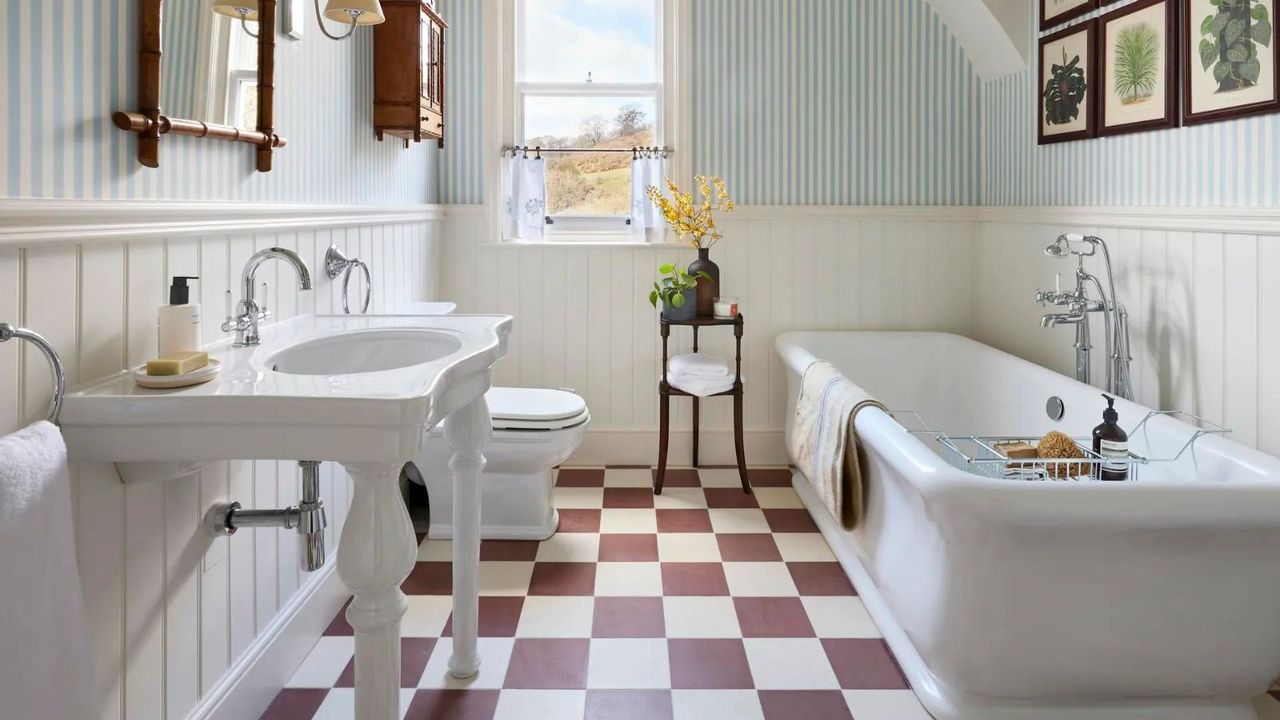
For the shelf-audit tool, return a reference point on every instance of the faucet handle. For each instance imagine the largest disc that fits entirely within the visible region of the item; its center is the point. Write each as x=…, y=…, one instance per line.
x=262, y=306
x=230, y=324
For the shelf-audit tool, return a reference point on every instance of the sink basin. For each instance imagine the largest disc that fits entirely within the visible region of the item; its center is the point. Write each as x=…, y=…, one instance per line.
x=365, y=351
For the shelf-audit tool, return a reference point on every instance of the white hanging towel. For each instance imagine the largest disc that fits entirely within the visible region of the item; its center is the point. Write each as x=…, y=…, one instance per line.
x=699, y=365
x=44, y=669
x=647, y=170
x=524, y=187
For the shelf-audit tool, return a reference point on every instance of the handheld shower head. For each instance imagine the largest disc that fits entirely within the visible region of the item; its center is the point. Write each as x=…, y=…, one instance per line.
x=1059, y=248
x=1062, y=246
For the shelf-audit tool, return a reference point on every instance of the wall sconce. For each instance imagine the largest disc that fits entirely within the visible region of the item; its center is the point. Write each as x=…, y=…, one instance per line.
x=354, y=12
x=238, y=9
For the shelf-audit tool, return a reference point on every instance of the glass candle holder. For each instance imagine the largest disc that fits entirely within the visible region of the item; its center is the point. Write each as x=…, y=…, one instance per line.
x=726, y=307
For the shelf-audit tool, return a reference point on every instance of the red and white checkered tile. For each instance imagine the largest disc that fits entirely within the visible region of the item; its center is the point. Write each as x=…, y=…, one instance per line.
x=703, y=602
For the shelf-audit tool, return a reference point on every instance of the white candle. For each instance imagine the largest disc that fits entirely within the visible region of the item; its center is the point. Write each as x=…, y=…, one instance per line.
x=726, y=307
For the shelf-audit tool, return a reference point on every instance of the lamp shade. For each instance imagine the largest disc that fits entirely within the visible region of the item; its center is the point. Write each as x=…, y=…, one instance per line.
x=248, y=9
x=366, y=12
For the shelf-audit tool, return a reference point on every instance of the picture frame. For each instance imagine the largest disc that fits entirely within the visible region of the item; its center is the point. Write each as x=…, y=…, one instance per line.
x=1228, y=74
x=1056, y=12
x=1066, y=101
x=1138, y=66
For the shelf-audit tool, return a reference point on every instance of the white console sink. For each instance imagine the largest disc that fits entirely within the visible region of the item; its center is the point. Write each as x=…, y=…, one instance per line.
x=358, y=389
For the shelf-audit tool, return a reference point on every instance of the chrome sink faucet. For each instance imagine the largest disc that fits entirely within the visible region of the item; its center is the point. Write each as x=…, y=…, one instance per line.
x=1079, y=306
x=248, y=314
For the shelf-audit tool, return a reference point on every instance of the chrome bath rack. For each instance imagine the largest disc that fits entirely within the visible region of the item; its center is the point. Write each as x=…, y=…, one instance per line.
x=981, y=454
x=57, y=371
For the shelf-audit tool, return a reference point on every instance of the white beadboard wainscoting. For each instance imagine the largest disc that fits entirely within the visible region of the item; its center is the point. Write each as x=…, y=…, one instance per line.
x=178, y=618
x=583, y=319
x=1205, y=325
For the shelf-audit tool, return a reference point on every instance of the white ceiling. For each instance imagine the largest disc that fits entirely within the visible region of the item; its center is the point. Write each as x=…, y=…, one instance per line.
x=995, y=34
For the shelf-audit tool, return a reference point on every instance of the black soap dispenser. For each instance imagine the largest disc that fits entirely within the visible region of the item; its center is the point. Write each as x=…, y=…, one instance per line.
x=1111, y=444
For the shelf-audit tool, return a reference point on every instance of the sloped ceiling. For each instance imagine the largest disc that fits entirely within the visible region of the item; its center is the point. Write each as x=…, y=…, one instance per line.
x=994, y=33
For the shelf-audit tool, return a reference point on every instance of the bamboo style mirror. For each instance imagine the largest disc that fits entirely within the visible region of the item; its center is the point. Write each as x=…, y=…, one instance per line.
x=216, y=79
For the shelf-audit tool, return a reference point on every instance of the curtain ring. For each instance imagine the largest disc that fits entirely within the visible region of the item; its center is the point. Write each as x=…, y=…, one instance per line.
x=368, y=286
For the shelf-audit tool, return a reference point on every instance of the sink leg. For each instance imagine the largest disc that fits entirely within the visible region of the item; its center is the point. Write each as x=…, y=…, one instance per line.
x=377, y=553
x=467, y=431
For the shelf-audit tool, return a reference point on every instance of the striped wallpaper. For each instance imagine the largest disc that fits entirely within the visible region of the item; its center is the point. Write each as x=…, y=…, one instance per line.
x=461, y=161
x=1216, y=165
x=807, y=102
x=67, y=64
x=833, y=102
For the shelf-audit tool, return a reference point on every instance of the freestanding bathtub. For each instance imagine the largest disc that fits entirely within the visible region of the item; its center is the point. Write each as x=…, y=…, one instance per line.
x=1013, y=599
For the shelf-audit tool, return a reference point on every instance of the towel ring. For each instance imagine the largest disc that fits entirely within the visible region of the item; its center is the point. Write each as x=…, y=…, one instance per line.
x=368, y=286
x=56, y=369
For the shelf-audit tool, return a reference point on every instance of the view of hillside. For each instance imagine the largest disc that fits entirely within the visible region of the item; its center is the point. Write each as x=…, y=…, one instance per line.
x=595, y=183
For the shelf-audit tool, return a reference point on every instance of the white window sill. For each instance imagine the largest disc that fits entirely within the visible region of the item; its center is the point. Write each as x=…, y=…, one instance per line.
x=561, y=239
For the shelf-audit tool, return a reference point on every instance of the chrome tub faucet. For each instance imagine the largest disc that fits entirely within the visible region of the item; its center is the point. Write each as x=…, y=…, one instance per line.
x=1079, y=307
x=248, y=314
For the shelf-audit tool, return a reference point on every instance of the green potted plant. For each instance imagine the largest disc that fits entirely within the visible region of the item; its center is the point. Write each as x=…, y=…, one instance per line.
x=677, y=290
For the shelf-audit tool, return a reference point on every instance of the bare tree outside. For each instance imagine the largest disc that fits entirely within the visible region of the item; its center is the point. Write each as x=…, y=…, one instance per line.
x=593, y=130
x=629, y=120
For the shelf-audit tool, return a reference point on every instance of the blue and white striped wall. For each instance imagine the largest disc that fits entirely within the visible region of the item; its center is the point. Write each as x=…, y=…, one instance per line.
x=66, y=65
x=832, y=102
x=805, y=102
x=1228, y=164
x=462, y=160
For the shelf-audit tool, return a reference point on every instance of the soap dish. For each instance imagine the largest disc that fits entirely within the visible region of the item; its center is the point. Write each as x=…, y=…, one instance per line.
x=169, y=382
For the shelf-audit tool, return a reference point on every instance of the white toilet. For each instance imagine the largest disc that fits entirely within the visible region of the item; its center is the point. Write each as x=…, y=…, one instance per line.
x=534, y=430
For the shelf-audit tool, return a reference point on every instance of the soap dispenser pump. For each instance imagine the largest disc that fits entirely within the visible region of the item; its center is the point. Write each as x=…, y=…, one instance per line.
x=179, y=321
x=1111, y=444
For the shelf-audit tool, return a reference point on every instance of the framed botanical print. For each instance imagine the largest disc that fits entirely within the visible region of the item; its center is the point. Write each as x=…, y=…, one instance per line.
x=1138, y=66
x=1067, y=92
x=1230, y=60
x=1056, y=12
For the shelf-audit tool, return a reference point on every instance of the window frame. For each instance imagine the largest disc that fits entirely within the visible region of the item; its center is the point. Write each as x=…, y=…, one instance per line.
x=588, y=228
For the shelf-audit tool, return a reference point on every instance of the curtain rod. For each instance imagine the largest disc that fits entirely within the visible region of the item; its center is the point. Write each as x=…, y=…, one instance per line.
x=636, y=152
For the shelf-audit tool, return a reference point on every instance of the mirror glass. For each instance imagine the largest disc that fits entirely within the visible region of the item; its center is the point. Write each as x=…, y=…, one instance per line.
x=209, y=71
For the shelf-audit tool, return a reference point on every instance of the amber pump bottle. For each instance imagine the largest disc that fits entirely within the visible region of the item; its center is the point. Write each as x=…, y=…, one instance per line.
x=1111, y=443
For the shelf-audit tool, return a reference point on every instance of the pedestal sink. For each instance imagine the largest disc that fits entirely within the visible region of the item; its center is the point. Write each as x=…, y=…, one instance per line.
x=359, y=390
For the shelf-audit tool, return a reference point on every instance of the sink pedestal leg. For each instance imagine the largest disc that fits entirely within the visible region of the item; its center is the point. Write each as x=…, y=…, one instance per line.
x=377, y=553
x=467, y=431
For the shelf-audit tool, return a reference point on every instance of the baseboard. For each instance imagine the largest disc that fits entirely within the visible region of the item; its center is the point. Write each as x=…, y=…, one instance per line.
x=640, y=447
x=253, y=680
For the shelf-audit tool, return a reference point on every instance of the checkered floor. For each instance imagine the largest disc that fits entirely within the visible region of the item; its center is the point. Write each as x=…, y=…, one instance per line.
x=703, y=602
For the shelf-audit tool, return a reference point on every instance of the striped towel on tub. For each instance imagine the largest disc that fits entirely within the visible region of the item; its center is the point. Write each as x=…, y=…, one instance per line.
x=823, y=443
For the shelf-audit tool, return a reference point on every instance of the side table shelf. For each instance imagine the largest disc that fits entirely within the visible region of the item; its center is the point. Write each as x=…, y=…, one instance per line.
x=666, y=392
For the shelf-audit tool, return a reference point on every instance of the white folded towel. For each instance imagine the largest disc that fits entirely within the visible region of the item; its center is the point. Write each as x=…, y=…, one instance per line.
x=699, y=386
x=699, y=365
x=45, y=670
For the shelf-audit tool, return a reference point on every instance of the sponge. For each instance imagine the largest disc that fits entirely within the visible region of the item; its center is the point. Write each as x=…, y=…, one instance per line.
x=178, y=363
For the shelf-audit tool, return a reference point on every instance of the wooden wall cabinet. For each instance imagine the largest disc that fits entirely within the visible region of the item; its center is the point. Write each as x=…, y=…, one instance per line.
x=408, y=72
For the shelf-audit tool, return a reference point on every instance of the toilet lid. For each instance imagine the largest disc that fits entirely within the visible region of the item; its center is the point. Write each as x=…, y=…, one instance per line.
x=534, y=408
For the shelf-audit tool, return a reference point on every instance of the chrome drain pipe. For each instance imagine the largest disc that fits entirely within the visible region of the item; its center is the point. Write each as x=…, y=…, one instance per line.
x=307, y=517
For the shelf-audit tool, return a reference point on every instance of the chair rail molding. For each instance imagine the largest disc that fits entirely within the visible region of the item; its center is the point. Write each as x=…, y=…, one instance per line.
x=37, y=221
x=1249, y=221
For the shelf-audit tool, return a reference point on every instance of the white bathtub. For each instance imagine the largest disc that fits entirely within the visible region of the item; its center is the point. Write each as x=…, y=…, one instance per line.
x=1009, y=599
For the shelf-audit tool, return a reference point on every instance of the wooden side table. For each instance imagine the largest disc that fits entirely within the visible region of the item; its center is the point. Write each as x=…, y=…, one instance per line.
x=666, y=391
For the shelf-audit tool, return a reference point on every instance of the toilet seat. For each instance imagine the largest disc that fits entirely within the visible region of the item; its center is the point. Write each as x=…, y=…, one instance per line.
x=533, y=409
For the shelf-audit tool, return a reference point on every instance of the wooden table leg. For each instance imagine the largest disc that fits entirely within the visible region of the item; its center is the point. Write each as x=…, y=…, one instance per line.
x=695, y=431
x=737, y=442
x=664, y=428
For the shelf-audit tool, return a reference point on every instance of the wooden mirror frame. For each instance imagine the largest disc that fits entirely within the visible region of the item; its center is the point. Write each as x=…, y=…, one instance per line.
x=150, y=123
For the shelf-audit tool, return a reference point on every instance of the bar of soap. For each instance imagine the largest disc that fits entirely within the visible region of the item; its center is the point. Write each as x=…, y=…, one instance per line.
x=178, y=364
x=1018, y=450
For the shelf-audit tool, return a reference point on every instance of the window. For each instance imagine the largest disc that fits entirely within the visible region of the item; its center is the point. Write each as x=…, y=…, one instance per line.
x=588, y=76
